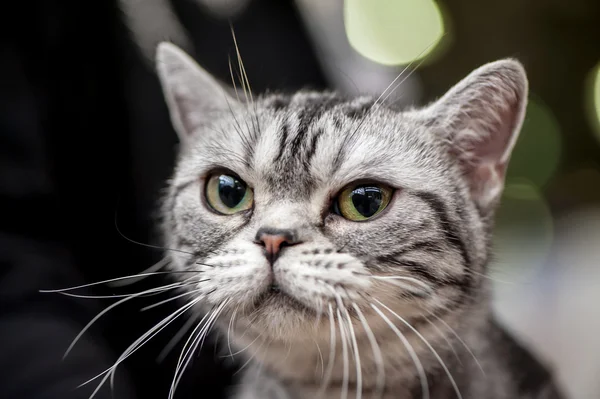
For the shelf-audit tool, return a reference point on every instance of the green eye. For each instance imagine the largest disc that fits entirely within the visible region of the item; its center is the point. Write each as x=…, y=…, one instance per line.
x=359, y=203
x=228, y=195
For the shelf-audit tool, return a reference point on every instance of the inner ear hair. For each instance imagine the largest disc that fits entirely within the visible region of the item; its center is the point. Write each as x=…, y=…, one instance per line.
x=480, y=119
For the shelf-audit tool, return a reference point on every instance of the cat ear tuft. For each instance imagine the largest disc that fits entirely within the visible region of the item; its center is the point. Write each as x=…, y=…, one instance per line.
x=480, y=118
x=193, y=96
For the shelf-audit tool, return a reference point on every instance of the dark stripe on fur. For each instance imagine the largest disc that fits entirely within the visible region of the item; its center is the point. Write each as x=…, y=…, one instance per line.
x=420, y=270
x=348, y=142
x=338, y=122
x=282, y=142
x=172, y=201
x=536, y=379
x=447, y=225
x=311, y=112
x=178, y=189
x=414, y=267
x=461, y=206
x=312, y=148
x=357, y=111
x=305, y=118
x=427, y=246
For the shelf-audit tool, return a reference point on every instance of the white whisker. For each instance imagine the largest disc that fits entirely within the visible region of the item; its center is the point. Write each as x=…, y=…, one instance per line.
x=392, y=83
x=138, y=343
x=405, y=278
x=411, y=72
x=496, y=279
x=157, y=266
x=321, y=358
x=410, y=350
x=154, y=331
x=461, y=341
x=331, y=359
x=247, y=362
x=239, y=129
x=231, y=322
x=426, y=287
x=404, y=80
x=377, y=355
x=173, y=298
x=245, y=83
x=237, y=96
x=112, y=306
x=437, y=356
x=289, y=346
x=356, y=354
x=402, y=73
x=319, y=315
x=212, y=322
x=243, y=349
x=191, y=339
x=177, y=337
x=445, y=338
x=115, y=296
x=344, y=355
x=184, y=361
x=60, y=290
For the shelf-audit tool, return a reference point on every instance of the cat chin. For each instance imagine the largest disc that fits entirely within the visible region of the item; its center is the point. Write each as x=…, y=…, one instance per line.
x=280, y=302
x=281, y=317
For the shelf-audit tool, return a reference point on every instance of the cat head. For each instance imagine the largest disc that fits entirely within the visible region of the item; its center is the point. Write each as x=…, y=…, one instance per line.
x=293, y=207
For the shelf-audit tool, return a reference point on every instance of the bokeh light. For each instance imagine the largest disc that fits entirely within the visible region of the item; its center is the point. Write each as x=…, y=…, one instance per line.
x=524, y=222
x=393, y=32
x=593, y=100
x=523, y=233
x=537, y=153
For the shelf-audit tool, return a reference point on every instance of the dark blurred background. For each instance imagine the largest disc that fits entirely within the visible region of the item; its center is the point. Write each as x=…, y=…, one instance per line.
x=86, y=143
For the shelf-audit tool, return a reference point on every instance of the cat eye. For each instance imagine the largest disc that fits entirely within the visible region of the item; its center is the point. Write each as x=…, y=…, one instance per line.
x=228, y=194
x=362, y=202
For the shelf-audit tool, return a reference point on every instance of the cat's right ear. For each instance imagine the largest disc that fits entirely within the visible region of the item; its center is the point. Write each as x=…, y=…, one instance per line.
x=193, y=96
x=479, y=120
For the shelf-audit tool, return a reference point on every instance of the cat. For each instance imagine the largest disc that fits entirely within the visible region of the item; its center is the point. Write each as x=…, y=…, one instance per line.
x=341, y=245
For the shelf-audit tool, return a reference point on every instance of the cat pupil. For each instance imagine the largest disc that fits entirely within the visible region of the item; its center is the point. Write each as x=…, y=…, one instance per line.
x=367, y=200
x=231, y=191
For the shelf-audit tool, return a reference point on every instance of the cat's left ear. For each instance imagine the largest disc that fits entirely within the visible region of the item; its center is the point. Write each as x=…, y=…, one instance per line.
x=480, y=119
x=193, y=96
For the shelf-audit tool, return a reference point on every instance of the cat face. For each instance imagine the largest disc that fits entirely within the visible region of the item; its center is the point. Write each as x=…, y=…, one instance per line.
x=297, y=210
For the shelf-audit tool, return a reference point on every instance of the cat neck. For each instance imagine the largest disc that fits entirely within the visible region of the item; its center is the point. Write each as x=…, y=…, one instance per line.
x=303, y=368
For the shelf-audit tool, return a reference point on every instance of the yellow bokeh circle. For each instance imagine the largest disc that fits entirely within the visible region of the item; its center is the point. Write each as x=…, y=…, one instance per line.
x=393, y=32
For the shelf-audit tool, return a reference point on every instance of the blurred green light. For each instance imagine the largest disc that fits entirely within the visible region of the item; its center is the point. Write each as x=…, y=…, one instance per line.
x=537, y=152
x=594, y=100
x=393, y=32
x=523, y=234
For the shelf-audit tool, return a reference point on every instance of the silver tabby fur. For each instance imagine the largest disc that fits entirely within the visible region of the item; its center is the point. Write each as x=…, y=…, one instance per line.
x=426, y=332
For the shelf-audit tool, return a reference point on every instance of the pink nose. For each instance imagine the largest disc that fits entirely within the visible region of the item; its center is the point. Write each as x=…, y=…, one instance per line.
x=273, y=243
x=274, y=240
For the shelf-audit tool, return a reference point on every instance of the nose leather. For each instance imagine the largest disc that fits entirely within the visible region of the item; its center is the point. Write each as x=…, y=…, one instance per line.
x=272, y=243
x=274, y=240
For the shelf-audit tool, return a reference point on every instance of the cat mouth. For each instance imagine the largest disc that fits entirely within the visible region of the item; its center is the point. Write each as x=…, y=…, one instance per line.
x=274, y=295
x=274, y=288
